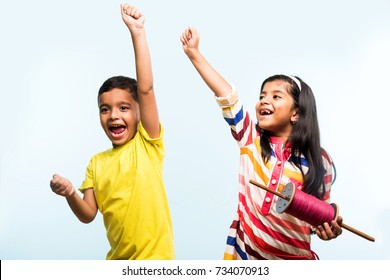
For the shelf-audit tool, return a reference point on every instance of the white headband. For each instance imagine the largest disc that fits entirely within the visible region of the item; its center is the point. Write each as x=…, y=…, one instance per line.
x=296, y=81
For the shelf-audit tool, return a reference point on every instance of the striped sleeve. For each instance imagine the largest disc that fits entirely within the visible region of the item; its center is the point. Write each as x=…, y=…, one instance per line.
x=329, y=176
x=241, y=125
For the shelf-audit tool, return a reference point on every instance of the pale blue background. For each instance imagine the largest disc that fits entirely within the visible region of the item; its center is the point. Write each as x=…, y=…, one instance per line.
x=55, y=55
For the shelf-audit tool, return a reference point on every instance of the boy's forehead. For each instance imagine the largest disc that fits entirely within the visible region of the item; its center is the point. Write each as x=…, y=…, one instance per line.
x=115, y=95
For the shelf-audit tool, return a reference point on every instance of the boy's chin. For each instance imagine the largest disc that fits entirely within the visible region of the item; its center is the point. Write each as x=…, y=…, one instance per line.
x=118, y=143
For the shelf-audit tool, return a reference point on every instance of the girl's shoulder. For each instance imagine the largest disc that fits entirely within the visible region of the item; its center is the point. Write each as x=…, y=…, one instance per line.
x=326, y=156
x=330, y=168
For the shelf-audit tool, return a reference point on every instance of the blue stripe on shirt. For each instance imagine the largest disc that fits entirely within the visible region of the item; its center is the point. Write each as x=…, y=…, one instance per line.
x=232, y=242
x=237, y=118
x=303, y=161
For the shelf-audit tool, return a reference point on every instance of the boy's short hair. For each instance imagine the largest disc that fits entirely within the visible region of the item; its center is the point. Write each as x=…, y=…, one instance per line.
x=120, y=82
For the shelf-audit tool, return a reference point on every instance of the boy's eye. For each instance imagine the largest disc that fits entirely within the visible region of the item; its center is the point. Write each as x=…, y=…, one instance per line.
x=103, y=110
x=277, y=96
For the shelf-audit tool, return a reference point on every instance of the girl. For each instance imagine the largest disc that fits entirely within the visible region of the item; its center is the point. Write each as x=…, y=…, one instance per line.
x=283, y=146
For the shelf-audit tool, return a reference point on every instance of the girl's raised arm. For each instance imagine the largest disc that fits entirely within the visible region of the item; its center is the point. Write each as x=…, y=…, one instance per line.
x=190, y=40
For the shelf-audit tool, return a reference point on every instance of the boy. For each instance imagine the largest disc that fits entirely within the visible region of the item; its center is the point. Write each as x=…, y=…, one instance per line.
x=125, y=183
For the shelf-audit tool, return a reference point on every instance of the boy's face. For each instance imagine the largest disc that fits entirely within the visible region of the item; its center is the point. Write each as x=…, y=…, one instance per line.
x=119, y=115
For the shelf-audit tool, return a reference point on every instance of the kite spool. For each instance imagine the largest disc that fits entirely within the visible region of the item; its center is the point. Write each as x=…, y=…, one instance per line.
x=307, y=207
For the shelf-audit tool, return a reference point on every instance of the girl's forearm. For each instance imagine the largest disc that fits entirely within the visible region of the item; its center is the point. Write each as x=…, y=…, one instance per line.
x=210, y=76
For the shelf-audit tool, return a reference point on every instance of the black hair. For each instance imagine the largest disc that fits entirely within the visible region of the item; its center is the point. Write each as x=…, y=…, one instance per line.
x=120, y=82
x=304, y=137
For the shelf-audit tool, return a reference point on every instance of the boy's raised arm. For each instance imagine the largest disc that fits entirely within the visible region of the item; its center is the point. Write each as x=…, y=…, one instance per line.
x=134, y=20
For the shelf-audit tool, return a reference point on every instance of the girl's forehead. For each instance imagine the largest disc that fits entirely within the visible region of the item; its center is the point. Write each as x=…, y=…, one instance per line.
x=279, y=85
x=276, y=83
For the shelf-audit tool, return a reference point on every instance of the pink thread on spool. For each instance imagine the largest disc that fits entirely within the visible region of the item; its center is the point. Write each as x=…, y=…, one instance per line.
x=315, y=212
x=305, y=207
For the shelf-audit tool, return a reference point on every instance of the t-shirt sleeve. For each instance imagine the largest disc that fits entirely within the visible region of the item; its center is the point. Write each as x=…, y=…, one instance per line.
x=145, y=135
x=88, y=182
x=153, y=147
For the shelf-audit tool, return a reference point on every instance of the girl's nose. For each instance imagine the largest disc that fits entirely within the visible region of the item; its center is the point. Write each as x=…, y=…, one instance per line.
x=264, y=100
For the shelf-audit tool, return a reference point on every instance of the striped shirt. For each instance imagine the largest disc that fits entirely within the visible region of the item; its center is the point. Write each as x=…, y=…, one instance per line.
x=258, y=231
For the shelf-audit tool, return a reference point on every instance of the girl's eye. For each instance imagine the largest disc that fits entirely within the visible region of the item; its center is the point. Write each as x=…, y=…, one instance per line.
x=276, y=97
x=124, y=108
x=103, y=110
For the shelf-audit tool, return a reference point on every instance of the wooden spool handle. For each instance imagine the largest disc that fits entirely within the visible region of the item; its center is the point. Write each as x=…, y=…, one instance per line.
x=269, y=190
x=355, y=231
x=347, y=227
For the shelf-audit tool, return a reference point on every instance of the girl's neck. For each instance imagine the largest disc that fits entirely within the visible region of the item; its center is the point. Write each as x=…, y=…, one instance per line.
x=279, y=140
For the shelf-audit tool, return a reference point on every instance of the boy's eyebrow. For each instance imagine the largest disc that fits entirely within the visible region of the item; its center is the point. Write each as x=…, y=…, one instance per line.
x=119, y=103
x=124, y=102
x=103, y=104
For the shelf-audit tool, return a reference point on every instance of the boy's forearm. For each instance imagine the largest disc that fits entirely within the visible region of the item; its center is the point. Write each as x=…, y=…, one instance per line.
x=83, y=211
x=143, y=62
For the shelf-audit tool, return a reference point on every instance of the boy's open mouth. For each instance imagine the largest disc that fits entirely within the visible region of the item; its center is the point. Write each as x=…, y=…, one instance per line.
x=117, y=129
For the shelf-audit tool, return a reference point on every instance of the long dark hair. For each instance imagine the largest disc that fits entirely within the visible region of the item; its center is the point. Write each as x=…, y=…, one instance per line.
x=304, y=137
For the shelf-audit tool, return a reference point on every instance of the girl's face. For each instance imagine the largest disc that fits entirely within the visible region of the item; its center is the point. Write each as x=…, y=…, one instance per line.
x=119, y=115
x=275, y=110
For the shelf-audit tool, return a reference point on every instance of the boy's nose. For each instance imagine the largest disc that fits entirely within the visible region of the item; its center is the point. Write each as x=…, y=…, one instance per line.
x=114, y=114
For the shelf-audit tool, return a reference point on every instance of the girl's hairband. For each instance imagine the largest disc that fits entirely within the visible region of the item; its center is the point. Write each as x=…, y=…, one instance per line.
x=296, y=81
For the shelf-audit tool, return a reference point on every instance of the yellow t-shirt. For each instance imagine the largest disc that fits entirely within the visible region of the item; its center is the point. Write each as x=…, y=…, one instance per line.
x=128, y=185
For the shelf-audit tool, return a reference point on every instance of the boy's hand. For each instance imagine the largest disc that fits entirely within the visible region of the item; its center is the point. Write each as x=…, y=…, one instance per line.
x=61, y=186
x=132, y=17
x=190, y=40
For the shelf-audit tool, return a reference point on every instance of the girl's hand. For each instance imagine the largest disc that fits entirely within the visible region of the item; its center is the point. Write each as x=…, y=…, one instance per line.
x=132, y=17
x=61, y=186
x=328, y=232
x=190, y=40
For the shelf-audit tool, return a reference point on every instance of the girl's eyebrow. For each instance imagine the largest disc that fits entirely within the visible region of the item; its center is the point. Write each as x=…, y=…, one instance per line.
x=274, y=91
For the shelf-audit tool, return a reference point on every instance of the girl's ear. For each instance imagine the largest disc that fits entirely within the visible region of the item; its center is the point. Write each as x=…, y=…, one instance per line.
x=295, y=116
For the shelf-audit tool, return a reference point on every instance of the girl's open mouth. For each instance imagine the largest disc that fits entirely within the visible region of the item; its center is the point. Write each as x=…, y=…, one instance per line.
x=265, y=112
